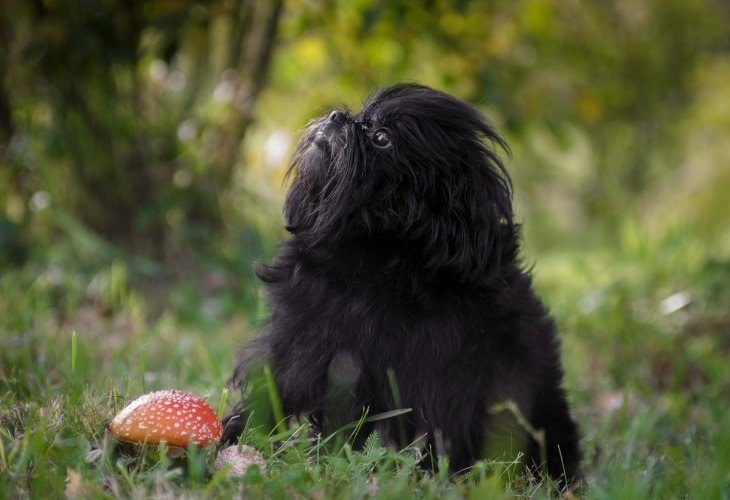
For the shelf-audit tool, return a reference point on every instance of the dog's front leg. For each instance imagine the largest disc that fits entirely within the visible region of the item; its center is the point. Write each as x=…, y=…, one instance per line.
x=280, y=376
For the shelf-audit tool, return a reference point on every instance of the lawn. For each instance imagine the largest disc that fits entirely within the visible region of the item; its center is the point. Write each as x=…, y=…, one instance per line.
x=644, y=321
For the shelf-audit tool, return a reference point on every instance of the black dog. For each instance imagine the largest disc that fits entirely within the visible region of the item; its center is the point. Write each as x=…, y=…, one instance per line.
x=403, y=260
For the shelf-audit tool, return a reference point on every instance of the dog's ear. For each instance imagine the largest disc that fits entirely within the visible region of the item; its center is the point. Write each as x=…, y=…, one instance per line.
x=475, y=233
x=460, y=189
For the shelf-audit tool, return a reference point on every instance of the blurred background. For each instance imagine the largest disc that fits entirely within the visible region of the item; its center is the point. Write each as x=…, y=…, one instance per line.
x=163, y=128
x=143, y=146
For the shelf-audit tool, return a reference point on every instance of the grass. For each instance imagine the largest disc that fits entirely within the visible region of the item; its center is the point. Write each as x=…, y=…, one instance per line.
x=644, y=325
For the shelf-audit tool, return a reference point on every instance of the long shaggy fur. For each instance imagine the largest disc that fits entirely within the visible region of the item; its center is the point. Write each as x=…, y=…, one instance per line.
x=403, y=257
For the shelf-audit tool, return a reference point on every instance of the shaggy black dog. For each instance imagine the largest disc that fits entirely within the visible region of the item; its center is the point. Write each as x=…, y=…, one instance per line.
x=403, y=264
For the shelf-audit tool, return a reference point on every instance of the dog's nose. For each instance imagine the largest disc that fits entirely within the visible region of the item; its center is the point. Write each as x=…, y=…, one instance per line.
x=338, y=116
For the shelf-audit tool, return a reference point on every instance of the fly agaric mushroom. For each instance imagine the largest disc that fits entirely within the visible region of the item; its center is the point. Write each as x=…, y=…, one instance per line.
x=240, y=459
x=175, y=417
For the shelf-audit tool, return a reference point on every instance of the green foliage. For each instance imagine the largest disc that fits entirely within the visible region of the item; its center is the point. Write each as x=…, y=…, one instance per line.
x=130, y=114
x=599, y=100
x=138, y=118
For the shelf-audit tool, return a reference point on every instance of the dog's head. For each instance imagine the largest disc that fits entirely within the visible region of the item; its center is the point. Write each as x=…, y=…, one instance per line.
x=416, y=168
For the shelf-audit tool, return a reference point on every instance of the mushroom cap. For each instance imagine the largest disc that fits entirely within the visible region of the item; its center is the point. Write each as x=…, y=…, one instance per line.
x=174, y=417
x=241, y=458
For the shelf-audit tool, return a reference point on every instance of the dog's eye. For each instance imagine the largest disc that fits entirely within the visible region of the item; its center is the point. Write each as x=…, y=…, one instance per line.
x=381, y=138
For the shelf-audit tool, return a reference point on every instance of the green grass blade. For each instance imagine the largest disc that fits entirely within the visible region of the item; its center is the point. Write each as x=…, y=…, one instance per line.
x=73, y=354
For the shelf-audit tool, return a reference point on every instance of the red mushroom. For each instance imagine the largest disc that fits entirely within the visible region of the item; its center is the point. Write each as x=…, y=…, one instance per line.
x=175, y=417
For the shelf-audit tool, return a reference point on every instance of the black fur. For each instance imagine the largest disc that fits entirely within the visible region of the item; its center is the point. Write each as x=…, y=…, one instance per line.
x=403, y=256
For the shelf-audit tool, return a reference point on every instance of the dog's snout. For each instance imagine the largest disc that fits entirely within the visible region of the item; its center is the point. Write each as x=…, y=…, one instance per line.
x=338, y=116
